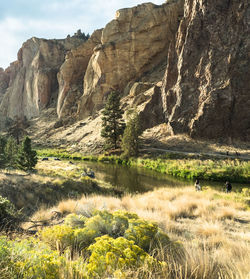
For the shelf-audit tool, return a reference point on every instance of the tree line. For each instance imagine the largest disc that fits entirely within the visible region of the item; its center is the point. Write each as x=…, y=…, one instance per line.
x=115, y=131
x=14, y=155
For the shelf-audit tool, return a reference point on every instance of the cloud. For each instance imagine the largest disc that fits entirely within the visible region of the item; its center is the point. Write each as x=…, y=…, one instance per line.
x=52, y=19
x=9, y=29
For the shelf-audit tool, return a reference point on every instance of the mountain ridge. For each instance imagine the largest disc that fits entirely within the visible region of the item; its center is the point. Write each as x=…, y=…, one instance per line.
x=182, y=63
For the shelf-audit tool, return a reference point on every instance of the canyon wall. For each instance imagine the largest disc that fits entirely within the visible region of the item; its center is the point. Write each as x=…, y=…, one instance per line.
x=132, y=44
x=71, y=75
x=185, y=63
x=30, y=84
x=206, y=88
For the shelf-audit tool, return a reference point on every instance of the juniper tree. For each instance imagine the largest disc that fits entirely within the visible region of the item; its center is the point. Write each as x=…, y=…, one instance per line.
x=26, y=158
x=10, y=152
x=112, y=122
x=130, y=139
x=3, y=142
x=17, y=128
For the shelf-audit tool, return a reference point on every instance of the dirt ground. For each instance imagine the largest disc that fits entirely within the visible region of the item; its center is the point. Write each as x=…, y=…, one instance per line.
x=84, y=136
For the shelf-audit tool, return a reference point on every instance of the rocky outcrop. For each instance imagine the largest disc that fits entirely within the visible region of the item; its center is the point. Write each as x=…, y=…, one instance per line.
x=206, y=86
x=203, y=47
x=70, y=77
x=149, y=107
x=4, y=81
x=131, y=46
x=32, y=79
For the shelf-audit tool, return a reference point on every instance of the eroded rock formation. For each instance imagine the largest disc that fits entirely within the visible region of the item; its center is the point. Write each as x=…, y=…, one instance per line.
x=131, y=46
x=70, y=77
x=206, y=88
x=202, y=47
x=32, y=79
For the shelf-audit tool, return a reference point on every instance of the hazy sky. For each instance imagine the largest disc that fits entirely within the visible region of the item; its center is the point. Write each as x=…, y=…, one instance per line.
x=23, y=19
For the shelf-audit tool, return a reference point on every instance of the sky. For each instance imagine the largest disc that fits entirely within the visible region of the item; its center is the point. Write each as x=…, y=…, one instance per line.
x=52, y=19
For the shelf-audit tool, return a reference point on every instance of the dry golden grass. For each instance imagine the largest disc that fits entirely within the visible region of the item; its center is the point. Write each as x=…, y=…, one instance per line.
x=67, y=206
x=214, y=232
x=197, y=212
x=208, y=229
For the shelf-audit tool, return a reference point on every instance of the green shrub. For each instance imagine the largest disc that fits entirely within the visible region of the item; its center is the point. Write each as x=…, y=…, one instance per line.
x=111, y=244
x=37, y=260
x=141, y=232
x=9, y=216
x=78, y=231
x=75, y=221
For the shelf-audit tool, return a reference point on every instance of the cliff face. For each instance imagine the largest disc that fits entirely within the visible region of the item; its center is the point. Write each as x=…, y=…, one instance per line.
x=131, y=46
x=71, y=74
x=185, y=63
x=206, y=85
x=32, y=80
x=4, y=81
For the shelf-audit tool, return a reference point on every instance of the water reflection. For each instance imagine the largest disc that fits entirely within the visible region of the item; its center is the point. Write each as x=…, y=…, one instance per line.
x=131, y=179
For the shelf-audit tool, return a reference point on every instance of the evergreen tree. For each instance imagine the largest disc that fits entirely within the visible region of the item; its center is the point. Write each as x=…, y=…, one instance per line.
x=130, y=139
x=17, y=128
x=112, y=122
x=10, y=152
x=3, y=142
x=27, y=158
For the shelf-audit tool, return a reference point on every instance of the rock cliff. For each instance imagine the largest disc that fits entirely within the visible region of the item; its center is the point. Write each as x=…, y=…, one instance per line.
x=30, y=84
x=71, y=74
x=206, y=88
x=132, y=44
x=184, y=63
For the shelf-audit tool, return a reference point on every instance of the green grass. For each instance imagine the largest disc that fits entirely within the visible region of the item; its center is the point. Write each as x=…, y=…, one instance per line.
x=234, y=170
x=213, y=170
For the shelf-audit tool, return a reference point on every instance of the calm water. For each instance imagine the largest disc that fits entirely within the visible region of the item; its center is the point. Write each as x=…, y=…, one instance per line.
x=131, y=179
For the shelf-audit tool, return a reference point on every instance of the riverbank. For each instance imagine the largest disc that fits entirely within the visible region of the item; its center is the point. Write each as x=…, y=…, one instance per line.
x=180, y=166
x=52, y=182
x=199, y=234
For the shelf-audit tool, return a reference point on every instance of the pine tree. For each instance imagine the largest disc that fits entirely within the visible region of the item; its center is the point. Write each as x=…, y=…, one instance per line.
x=130, y=139
x=10, y=152
x=26, y=158
x=17, y=128
x=3, y=142
x=112, y=122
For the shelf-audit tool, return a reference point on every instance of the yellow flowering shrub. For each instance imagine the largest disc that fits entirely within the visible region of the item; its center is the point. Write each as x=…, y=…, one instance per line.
x=78, y=231
x=58, y=237
x=28, y=259
x=103, y=245
x=141, y=232
x=7, y=268
x=109, y=255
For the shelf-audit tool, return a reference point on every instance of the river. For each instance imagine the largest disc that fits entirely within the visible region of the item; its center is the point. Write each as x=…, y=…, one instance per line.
x=135, y=179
